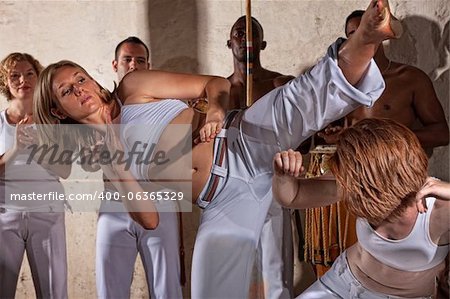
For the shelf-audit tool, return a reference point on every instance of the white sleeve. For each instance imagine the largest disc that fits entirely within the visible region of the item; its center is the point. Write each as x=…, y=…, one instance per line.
x=311, y=101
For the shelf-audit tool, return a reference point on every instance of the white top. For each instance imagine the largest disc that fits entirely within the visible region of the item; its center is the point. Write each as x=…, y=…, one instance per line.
x=24, y=178
x=416, y=252
x=142, y=126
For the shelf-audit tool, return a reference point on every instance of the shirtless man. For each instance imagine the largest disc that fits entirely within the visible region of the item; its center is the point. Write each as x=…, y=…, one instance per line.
x=276, y=239
x=409, y=96
x=264, y=80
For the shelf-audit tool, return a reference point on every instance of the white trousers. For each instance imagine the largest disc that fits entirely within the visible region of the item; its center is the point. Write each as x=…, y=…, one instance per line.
x=339, y=282
x=42, y=236
x=276, y=251
x=120, y=239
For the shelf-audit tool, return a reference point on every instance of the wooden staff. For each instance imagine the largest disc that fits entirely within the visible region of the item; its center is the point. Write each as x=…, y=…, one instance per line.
x=249, y=37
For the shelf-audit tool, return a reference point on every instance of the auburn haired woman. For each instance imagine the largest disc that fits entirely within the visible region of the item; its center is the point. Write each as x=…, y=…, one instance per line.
x=380, y=167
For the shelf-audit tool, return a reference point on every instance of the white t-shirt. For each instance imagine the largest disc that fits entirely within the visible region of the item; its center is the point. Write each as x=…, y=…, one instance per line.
x=26, y=186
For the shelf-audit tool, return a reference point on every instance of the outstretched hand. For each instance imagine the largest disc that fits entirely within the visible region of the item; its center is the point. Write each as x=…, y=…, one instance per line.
x=288, y=163
x=432, y=187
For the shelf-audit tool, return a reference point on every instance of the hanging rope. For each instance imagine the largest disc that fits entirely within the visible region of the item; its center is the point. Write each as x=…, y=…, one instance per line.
x=249, y=40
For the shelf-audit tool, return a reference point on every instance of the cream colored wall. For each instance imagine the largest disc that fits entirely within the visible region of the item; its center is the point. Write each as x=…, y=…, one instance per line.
x=190, y=35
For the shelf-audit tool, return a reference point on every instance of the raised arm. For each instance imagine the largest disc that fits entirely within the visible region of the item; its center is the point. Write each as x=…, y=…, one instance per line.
x=293, y=192
x=149, y=85
x=436, y=188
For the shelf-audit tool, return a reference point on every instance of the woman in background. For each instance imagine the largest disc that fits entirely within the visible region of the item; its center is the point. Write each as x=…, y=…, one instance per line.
x=32, y=226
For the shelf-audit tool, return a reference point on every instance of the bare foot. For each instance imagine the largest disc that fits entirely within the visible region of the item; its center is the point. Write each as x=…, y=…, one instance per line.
x=378, y=22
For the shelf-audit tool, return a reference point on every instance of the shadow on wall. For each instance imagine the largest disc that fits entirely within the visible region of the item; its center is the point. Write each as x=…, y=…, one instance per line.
x=420, y=45
x=444, y=56
x=173, y=35
x=427, y=47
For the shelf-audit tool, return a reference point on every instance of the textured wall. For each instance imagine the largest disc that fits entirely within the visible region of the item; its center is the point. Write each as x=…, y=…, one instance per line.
x=190, y=36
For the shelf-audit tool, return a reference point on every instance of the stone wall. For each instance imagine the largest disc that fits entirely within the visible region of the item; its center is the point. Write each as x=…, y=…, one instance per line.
x=190, y=36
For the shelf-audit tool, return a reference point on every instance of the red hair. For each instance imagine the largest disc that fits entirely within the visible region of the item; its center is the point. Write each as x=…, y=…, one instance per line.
x=380, y=165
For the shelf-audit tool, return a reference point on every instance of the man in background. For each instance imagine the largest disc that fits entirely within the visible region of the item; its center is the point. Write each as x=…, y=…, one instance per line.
x=275, y=249
x=120, y=238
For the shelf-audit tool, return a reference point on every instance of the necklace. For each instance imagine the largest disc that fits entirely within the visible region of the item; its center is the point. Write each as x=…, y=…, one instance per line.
x=387, y=68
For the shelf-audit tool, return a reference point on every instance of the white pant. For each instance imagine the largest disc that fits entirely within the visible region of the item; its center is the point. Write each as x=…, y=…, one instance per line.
x=339, y=282
x=42, y=236
x=231, y=224
x=277, y=254
x=120, y=239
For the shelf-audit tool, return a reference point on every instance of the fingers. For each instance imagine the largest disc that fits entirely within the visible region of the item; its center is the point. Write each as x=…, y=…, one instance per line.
x=285, y=159
x=421, y=206
x=209, y=132
x=427, y=189
x=298, y=164
x=219, y=127
x=292, y=163
x=435, y=188
x=203, y=133
x=278, y=163
x=26, y=135
x=23, y=137
x=288, y=163
x=27, y=119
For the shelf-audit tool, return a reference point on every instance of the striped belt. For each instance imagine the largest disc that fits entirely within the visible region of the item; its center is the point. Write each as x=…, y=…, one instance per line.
x=217, y=171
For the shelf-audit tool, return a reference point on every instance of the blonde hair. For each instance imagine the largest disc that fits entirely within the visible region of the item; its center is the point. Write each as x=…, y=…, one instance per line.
x=8, y=63
x=45, y=100
x=380, y=166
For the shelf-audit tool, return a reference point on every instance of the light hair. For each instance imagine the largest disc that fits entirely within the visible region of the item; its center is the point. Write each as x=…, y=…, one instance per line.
x=8, y=63
x=380, y=166
x=45, y=100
